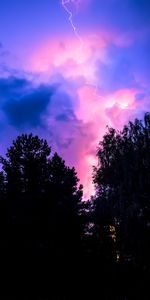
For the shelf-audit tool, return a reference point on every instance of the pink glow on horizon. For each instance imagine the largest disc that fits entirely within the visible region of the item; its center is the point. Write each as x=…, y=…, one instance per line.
x=95, y=109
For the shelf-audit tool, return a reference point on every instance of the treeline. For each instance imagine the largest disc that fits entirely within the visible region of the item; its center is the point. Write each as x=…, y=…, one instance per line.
x=60, y=247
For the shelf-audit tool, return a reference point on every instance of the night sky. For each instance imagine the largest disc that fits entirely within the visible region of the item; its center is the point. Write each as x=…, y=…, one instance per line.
x=69, y=68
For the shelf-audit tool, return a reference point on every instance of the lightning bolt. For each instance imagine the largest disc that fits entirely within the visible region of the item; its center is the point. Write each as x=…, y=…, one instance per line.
x=65, y=6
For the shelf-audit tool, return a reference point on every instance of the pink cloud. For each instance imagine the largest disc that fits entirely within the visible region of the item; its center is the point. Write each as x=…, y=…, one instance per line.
x=77, y=63
x=96, y=111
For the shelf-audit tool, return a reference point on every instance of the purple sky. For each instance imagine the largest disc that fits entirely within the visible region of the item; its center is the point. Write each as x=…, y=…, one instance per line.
x=66, y=85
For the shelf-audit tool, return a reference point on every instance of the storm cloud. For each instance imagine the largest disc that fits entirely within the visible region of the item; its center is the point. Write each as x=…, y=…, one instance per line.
x=67, y=86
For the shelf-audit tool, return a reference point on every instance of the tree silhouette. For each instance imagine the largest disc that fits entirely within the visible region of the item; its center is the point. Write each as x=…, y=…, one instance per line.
x=46, y=227
x=41, y=209
x=122, y=201
x=65, y=205
x=26, y=164
x=43, y=197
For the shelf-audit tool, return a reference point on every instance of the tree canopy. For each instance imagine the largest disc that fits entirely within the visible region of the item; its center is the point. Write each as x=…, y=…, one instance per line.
x=122, y=181
x=47, y=228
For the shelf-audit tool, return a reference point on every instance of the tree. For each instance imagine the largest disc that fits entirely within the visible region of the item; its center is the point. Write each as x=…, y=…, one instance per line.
x=42, y=222
x=122, y=181
x=65, y=205
x=43, y=196
x=26, y=164
x=2, y=186
x=25, y=175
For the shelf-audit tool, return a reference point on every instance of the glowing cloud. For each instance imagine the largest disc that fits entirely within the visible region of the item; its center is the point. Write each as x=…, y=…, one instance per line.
x=76, y=69
x=76, y=64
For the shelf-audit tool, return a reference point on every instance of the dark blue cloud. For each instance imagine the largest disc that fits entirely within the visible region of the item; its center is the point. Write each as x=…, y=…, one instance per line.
x=27, y=110
x=13, y=87
x=23, y=104
x=46, y=110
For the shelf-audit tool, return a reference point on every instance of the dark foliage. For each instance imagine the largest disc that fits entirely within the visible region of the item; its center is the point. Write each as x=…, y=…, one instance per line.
x=121, y=213
x=56, y=246
x=40, y=210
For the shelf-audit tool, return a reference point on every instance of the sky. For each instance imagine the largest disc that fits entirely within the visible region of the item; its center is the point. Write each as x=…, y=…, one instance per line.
x=68, y=68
